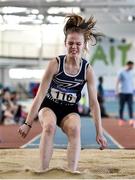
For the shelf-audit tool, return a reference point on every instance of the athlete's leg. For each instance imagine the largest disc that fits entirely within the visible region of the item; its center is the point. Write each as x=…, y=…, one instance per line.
x=130, y=109
x=122, y=101
x=130, y=105
x=47, y=119
x=71, y=126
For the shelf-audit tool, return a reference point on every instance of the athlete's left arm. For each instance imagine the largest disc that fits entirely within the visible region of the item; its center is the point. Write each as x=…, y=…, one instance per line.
x=94, y=106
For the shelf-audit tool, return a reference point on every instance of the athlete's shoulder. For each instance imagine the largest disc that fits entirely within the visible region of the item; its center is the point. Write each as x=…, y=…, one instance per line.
x=53, y=65
x=60, y=57
x=85, y=61
x=121, y=72
x=53, y=61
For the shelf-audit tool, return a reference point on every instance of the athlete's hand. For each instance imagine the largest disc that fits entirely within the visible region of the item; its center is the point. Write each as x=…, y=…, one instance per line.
x=23, y=130
x=101, y=140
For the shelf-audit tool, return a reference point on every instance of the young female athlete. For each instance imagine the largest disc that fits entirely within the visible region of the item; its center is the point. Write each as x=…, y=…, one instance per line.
x=59, y=92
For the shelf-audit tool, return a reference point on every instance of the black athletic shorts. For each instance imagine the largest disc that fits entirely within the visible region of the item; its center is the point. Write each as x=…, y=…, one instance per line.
x=60, y=110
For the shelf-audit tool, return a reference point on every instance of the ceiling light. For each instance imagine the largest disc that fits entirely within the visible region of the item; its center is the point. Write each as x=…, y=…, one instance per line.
x=55, y=10
x=11, y=19
x=22, y=73
x=10, y=10
x=35, y=11
x=130, y=18
x=41, y=16
x=61, y=0
x=55, y=19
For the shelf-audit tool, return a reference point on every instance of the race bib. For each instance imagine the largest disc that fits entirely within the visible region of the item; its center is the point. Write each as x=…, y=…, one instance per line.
x=68, y=97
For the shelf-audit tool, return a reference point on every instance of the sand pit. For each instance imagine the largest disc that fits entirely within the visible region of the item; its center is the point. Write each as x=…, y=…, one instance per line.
x=94, y=164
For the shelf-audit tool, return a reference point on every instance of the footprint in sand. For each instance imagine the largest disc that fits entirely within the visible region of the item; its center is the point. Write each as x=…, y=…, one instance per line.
x=53, y=171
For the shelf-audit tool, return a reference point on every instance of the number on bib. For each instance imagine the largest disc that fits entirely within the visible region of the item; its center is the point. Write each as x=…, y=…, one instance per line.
x=68, y=97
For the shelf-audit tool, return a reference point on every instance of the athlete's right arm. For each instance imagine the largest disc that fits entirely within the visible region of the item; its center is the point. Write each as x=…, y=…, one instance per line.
x=42, y=90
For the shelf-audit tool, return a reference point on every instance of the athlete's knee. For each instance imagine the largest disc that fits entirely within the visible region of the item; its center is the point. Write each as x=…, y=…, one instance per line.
x=49, y=128
x=73, y=131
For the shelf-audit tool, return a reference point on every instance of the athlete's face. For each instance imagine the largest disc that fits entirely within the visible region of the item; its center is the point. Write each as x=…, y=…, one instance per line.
x=130, y=67
x=74, y=44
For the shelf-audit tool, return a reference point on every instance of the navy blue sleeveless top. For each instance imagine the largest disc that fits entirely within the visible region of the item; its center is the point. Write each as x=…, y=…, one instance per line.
x=66, y=88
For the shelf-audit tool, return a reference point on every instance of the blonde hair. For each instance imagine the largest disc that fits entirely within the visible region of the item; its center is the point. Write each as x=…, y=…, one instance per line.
x=76, y=23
